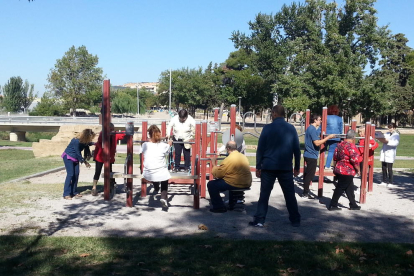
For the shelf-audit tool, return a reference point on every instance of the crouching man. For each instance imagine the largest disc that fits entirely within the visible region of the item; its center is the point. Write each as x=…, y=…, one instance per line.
x=232, y=174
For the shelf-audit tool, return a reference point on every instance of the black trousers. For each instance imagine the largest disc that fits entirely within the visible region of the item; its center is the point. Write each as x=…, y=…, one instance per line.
x=309, y=173
x=345, y=183
x=178, y=148
x=98, y=169
x=387, y=175
x=164, y=185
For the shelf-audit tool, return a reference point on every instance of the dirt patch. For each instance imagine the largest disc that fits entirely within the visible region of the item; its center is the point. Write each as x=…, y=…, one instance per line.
x=388, y=214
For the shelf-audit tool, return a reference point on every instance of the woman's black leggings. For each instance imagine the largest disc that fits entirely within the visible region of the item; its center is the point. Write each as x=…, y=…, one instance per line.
x=164, y=185
x=98, y=169
x=387, y=175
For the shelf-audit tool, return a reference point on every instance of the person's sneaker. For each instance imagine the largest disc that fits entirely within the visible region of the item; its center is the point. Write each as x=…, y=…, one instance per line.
x=176, y=170
x=296, y=224
x=164, y=202
x=334, y=208
x=219, y=210
x=307, y=196
x=94, y=192
x=390, y=185
x=382, y=184
x=256, y=224
x=355, y=208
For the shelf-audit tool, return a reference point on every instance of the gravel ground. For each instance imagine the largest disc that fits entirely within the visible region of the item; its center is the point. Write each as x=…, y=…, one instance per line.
x=388, y=215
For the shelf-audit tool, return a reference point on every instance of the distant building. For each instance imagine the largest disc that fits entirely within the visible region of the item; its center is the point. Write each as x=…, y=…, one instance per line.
x=149, y=86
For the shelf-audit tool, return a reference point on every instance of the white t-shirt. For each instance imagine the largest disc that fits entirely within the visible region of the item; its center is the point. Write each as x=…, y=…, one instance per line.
x=155, y=166
x=389, y=150
x=184, y=130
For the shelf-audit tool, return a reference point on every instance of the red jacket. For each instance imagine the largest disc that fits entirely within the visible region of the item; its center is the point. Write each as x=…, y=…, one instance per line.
x=373, y=144
x=98, y=155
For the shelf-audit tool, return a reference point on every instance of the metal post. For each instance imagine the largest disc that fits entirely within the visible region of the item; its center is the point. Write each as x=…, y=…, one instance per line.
x=240, y=107
x=169, y=102
x=204, y=142
x=232, y=122
x=143, y=138
x=106, y=120
x=322, y=152
x=364, y=173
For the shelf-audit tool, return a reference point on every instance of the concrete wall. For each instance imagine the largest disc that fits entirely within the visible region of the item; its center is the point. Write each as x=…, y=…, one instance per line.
x=58, y=143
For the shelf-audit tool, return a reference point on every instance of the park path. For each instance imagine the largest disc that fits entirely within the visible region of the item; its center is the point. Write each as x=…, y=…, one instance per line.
x=388, y=215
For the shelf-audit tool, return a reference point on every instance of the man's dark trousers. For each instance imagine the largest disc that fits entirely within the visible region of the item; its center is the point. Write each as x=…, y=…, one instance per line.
x=285, y=178
x=309, y=173
x=178, y=148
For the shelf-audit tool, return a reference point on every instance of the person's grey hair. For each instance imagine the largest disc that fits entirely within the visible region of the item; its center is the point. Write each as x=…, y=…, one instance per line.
x=351, y=134
x=231, y=145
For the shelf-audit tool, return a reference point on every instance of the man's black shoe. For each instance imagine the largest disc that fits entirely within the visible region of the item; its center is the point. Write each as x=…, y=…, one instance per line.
x=176, y=170
x=256, y=224
x=334, y=208
x=355, y=208
x=220, y=210
x=307, y=195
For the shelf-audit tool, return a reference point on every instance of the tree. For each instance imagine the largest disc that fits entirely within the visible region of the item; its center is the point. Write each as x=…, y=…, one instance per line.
x=17, y=95
x=314, y=54
x=48, y=106
x=123, y=103
x=75, y=77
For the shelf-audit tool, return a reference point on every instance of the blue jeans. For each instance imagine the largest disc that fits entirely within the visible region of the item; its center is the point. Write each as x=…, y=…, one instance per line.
x=285, y=179
x=214, y=188
x=72, y=176
x=331, y=150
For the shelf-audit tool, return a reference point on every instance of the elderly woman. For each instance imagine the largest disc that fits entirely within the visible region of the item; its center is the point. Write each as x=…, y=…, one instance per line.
x=347, y=159
x=155, y=166
x=71, y=158
x=334, y=125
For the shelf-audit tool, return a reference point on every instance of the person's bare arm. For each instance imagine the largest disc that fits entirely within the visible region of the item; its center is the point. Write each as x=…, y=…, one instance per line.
x=322, y=141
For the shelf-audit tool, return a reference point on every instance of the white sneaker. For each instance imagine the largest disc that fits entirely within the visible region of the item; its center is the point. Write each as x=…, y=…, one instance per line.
x=382, y=184
x=390, y=186
x=164, y=202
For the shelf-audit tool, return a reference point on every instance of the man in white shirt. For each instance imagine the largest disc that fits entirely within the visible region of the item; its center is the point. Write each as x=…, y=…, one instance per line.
x=183, y=126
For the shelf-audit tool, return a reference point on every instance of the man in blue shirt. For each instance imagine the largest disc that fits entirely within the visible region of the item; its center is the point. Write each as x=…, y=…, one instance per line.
x=312, y=143
x=278, y=143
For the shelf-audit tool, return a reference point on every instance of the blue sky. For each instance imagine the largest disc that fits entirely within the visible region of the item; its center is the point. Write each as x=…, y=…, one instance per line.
x=136, y=40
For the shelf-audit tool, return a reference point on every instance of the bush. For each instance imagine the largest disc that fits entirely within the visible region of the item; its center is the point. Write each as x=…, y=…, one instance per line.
x=36, y=136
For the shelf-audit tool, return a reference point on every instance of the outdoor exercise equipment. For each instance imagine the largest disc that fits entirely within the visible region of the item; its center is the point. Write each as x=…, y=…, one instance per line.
x=367, y=180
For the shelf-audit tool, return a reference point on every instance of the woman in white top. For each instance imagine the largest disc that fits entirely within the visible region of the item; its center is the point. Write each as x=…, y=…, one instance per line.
x=388, y=152
x=155, y=166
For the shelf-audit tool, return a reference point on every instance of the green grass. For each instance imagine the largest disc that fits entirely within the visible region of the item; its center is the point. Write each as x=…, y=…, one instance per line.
x=18, y=163
x=404, y=148
x=40, y=255
x=6, y=143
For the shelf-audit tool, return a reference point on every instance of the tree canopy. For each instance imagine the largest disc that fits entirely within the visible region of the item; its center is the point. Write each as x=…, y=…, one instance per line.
x=17, y=95
x=76, y=78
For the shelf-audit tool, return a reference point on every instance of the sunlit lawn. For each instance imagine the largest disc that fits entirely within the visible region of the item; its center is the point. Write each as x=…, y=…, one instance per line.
x=18, y=163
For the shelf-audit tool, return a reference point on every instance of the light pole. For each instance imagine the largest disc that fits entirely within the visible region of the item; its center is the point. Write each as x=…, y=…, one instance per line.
x=240, y=107
x=169, y=101
x=137, y=99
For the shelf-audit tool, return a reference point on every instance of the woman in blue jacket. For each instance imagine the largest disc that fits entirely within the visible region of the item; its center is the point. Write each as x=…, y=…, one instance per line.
x=334, y=125
x=71, y=157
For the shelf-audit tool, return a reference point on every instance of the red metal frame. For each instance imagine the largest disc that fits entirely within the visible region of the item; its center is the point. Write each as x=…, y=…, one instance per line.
x=364, y=173
x=322, y=152
x=232, y=122
x=106, y=120
x=143, y=138
x=130, y=170
x=371, y=167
